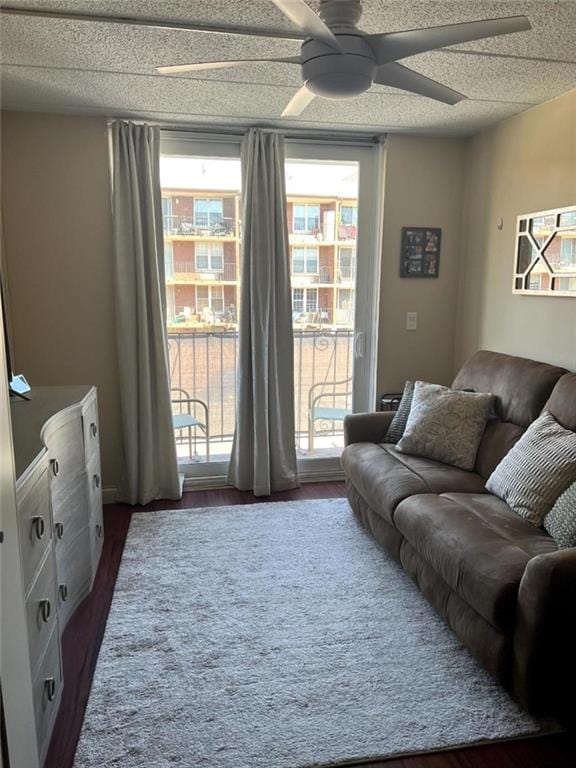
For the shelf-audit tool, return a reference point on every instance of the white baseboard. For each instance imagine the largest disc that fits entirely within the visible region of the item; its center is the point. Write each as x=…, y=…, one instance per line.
x=216, y=482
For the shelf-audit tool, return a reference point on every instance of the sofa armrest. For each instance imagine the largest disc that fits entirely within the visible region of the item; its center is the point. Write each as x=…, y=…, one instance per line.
x=544, y=669
x=367, y=427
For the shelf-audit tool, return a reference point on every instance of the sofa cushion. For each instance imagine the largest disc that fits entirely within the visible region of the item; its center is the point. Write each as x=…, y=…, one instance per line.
x=383, y=477
x=398, y=424
x=537, y=470
x=560, y=522
x=445, y=425
x=520, y=387
x=477, y=545
x=562, y=402
x=498, y=438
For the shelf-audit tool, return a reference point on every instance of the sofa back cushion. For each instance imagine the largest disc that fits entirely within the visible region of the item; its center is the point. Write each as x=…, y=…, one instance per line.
x=498, y=438
x=562, y=402
x=520, y=387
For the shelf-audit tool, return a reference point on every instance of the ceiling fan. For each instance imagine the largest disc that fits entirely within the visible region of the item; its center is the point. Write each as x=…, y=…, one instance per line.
x=339, y=61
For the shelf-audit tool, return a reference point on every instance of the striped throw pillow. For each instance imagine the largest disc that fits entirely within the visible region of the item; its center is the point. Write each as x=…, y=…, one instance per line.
x=540, y=467
x=560, y=522
x=398, y=423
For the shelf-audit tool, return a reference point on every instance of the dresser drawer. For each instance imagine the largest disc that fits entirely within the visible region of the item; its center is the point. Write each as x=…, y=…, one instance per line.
x=66, y=450
x=47, y=691
x=74, y=568
x=41, y=610
x=90, y=429
x=96, y=541
x=35, y=525
x=70, y=510
x=94, y=486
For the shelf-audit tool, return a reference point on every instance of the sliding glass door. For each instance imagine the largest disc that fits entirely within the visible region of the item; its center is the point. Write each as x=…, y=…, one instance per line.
x=331, y=209
x=202, y=233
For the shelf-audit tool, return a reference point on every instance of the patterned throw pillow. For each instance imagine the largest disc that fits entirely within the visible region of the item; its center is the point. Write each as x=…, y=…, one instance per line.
x=537, y=469
x=445, y=424
x=398, y=423
x=560, y=522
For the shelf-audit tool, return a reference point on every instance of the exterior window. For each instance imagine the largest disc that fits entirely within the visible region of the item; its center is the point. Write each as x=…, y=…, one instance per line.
x=305, y=261
x=306, y=218
x=208, y=211
x=168, y=258
x=298, y=301
x=311, y=300
x=346, y=263
x=568, y=252
x=209, y=298
x=349, y=214
x=209, y=257
x=345, y=298
x=304, y=300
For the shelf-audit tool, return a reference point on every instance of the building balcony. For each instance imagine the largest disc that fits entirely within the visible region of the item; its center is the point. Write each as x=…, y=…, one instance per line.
x=188, y=272
x=199, y=227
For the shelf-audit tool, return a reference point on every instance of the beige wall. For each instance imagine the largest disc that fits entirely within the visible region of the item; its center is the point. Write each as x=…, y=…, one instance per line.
x=56, y=207
x=423, y=188
x=525, y=164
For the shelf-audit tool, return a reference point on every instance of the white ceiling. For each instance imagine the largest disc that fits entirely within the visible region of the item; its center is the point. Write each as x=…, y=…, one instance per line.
x=55, y=65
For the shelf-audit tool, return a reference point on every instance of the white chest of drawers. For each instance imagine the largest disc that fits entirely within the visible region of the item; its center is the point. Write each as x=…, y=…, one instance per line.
x=59, y=508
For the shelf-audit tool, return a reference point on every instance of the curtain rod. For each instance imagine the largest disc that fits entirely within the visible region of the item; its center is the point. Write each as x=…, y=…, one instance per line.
x=217, y=133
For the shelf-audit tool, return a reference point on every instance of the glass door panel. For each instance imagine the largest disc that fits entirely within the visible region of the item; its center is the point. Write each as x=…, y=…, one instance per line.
x=322, y=202
x=202, y=231
x=333, y=204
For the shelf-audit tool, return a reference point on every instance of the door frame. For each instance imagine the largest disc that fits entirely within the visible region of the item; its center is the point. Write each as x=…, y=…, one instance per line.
x=369, y=152
x=370, y=159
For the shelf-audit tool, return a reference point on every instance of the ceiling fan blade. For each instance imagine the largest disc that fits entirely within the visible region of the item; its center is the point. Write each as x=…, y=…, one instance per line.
x=398, y=45
x=200, y=66
x=304, y=17
x=398, y=76
x=298, y=102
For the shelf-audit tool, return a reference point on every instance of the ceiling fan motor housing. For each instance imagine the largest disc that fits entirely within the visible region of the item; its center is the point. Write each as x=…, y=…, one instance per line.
x=334, y=75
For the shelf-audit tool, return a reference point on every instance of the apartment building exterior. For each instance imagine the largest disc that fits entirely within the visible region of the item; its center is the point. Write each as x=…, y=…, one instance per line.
x=202, y=232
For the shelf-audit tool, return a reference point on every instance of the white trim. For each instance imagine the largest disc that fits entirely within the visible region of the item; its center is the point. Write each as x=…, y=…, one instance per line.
x=219, y=481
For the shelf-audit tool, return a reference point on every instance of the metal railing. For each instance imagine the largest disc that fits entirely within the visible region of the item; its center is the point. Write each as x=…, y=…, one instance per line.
x=224, y=272
x=205, y=365
x=199, y=226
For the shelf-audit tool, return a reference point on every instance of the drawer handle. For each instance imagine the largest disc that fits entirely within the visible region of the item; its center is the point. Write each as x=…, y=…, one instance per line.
x=96, y=481
x=93, y=429
x=50, y=688
x=39, y=527
x=99, y=531
x=63, y=589
x=55, y=467
x=59, y=527
x=46, y=610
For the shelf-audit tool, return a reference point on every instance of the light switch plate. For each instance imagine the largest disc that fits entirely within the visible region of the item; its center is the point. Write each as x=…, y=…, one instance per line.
x=411, y=321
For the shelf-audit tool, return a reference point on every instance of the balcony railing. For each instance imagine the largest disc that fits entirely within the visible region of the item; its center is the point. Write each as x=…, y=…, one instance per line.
x=195, y=226
x=205, y=365
x=189, y=269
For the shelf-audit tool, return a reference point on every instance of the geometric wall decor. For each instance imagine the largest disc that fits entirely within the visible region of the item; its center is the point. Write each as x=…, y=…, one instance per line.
x=545, y=258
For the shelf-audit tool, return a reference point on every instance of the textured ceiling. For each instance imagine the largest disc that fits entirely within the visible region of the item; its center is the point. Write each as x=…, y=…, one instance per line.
x=106, y=68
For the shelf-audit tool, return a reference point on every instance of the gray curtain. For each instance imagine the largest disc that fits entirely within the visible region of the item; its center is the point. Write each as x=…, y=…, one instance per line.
x=263, y=454
x=150, y=464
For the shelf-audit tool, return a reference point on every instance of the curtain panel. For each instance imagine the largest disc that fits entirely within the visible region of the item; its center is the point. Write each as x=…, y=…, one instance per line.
x=150, y=463
x=263, y=454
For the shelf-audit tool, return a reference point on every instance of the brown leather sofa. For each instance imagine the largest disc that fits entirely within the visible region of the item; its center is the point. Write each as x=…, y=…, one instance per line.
x=500, y=583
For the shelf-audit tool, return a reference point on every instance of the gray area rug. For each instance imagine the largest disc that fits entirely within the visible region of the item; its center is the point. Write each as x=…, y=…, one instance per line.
x=277, y=635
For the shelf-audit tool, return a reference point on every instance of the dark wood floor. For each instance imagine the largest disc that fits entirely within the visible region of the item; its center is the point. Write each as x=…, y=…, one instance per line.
x=83, y=636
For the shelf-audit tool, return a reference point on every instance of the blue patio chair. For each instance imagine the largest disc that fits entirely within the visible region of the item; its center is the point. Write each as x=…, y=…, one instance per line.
x=184, y=418
x=324, y=412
